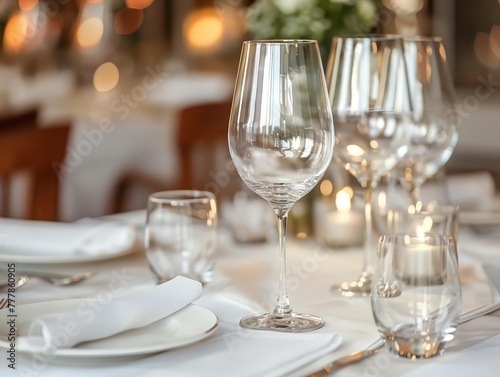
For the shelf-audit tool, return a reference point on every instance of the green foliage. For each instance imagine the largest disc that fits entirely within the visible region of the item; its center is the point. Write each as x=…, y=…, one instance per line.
x=311, y=19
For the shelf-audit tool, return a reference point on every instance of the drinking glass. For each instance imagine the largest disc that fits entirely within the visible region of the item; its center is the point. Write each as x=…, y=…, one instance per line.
x=281, y=142
x=438, y=219
x=370, y=103
x=181, y=234
x=416, y=297
x=434, y=130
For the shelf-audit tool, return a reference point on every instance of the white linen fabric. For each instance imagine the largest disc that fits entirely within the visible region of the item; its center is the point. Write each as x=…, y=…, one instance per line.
x=232, y=347
x=133, y=310
x=47, y=238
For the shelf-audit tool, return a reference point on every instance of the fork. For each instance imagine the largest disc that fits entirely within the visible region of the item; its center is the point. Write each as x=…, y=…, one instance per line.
x=4, y=303
x=56, y=278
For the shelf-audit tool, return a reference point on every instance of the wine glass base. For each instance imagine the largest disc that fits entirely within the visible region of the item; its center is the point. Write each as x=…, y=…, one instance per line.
x=356, y=288
x=293, y=322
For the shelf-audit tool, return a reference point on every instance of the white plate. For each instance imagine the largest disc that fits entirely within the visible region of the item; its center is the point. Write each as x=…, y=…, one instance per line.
x=75, y=258
x=187, y=326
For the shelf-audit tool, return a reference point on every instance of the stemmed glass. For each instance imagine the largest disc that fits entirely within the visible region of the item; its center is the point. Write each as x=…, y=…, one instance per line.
x=281, y=142
x=366, y=77
x=434, y=128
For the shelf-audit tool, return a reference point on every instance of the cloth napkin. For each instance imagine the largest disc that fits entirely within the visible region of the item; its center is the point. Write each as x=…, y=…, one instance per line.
x=46, y=238
x=133, y=310
x=473, y=191
x=234, y=351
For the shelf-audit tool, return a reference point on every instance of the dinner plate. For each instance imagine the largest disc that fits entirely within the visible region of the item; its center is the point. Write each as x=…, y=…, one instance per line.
x=189, y=325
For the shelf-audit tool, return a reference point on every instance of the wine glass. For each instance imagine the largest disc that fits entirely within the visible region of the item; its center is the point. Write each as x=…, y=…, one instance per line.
x=370, y=105
x=434, y=127
x=281, y=142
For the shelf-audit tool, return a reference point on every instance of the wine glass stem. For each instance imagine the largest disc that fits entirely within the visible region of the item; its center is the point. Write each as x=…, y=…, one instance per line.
x=282, y=308
x=369, y=244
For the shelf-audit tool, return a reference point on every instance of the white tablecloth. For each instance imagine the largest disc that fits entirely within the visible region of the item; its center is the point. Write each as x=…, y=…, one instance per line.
x=250, y=271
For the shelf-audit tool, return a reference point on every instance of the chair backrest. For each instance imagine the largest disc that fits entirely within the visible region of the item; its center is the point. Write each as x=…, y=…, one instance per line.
x=35, y=151
x=11, y=122
x=202, y=133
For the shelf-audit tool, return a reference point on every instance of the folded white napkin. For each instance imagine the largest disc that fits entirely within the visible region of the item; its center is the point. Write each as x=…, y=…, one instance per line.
x=47, y=238
x=481, y=246
x=133, y=310
x=473, y=191
x=234, y=351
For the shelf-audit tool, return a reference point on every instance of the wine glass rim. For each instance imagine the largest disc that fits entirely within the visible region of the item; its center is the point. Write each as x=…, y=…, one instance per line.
x=281, y=41
x=191, y=196
x=371, y=37
x=423, y=38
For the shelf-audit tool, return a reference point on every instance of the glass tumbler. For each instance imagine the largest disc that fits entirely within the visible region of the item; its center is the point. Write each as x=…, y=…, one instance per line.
x=439, y=219
x=416, y=295
x=181, y=234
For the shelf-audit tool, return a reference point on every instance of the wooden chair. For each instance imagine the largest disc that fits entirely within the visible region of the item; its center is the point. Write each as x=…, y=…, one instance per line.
x=25, y=119
x=35, y=151
x=200, y=128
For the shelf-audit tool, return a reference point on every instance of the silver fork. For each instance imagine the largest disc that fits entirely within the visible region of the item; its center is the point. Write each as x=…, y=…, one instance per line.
x=378, y=344
x=4, y=302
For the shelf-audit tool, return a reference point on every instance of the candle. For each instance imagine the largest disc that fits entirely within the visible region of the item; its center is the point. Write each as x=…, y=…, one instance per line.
x=421, y=264
x=341, y=227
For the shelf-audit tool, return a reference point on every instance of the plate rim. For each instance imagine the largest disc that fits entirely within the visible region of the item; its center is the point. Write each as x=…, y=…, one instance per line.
x=65, y=259
x=77, y=352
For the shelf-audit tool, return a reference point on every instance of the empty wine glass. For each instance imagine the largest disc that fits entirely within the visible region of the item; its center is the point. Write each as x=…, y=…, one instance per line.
x=370, y=104
x=281, y=142
x=434, y=132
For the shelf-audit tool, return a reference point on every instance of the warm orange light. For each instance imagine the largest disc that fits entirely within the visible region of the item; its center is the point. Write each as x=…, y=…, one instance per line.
x=27, y=4
x=106, y=77
x=128, y=20
x=203, y=29
x=138, y=4
x=16, y=33
x=90, y=32
x=483, y=50
x=495, y=40
x=326, y=187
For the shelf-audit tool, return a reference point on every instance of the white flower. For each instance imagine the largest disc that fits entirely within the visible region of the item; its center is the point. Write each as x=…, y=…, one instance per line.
x=290, y=6
x=366, y=9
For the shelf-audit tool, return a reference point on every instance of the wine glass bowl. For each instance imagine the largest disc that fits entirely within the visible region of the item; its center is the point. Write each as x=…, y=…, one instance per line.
x=368, y=91
x=434, y=127
x=281, y=142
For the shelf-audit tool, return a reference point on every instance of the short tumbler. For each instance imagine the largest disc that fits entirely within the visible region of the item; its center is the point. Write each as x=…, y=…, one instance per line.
x=416, y=295
x=181, y=234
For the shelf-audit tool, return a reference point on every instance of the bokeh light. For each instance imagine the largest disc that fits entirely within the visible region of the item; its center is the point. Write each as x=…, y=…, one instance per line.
x=128, y=20
x=106, y=77
x=90, y=32
x=495, y=40
x=483, y=51
x=138, y=4
x=16, y=33
x=26, y=5
x=203, y=29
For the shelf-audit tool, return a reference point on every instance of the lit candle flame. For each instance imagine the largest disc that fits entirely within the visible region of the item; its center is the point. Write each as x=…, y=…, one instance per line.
x=343, y=201
x=424, y=228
